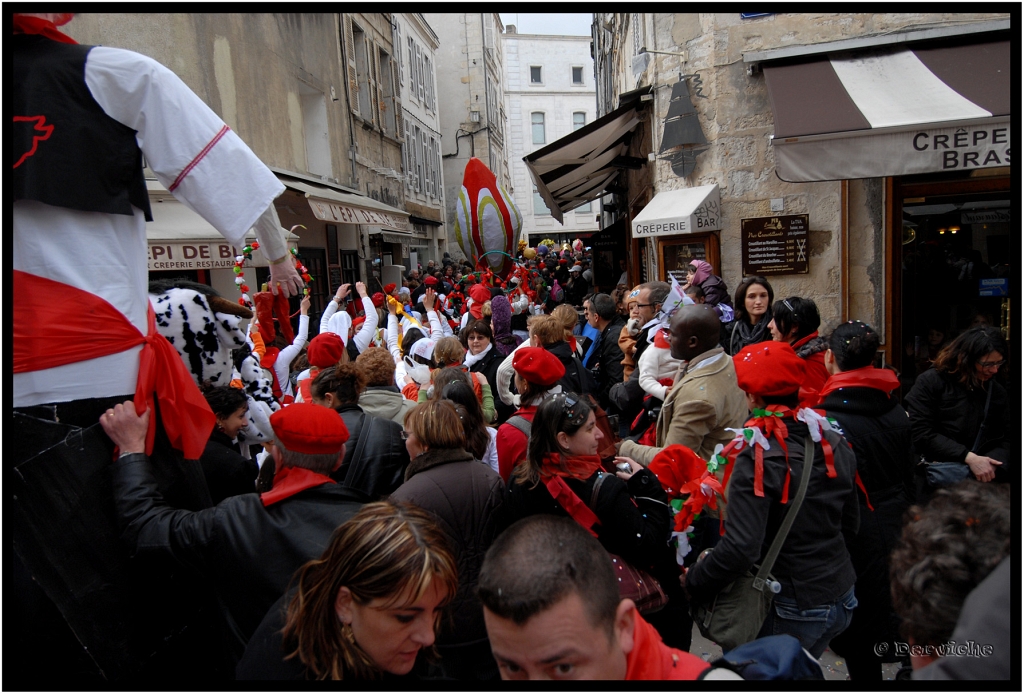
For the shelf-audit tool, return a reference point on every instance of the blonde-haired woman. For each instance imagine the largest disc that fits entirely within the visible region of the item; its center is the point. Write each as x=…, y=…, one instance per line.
x=366, y=609
x=467, y=496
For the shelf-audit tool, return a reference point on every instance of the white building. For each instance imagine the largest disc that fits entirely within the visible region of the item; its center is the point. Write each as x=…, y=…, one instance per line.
x=416, y=47
x=550, y=94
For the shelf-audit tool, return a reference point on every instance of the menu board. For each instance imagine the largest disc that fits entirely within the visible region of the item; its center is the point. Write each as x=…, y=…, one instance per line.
x=774, y=245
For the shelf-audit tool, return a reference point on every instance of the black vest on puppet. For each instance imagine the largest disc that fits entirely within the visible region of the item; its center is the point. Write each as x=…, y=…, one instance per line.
x=66, y=151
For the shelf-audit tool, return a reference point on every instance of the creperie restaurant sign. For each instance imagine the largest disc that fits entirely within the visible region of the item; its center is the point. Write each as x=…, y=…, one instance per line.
x=197, y=255
x=334, y=212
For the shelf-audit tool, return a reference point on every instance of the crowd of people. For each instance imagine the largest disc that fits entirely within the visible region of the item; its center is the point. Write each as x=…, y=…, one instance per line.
x=466, y=477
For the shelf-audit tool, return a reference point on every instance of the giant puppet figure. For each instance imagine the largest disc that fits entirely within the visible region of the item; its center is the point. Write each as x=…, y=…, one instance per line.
x=487, y=221
x=84, y=330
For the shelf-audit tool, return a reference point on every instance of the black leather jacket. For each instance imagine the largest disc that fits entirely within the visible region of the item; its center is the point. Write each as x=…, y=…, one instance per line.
x=378, y=468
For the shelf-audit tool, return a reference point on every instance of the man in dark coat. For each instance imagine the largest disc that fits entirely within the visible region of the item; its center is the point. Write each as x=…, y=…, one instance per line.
x=606, y=319
x=627, y=398
x=248, y=546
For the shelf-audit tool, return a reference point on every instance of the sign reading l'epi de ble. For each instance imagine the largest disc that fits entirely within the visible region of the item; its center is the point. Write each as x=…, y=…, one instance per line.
x=198, y=255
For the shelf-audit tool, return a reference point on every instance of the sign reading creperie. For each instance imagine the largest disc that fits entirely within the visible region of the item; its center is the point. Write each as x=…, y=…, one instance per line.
x=197, y=255
x=335, y=212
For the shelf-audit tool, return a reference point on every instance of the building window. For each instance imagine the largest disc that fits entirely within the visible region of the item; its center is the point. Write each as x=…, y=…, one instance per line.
x=388, y=96
x=539, y=206
x=537, y=120
x=315, y=132
x=535, y=74
x=362, y=72
x=583, y=209
x=579, y=119
x=577, y=75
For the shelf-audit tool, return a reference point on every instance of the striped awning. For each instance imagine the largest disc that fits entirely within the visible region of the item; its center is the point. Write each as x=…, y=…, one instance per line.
x=892, y=111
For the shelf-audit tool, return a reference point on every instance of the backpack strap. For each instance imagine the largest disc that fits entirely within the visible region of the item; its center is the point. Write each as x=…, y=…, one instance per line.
x=521, y=423
x=597, y=489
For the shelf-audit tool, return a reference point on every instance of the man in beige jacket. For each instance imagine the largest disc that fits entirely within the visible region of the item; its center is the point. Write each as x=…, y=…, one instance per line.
x=704, y=399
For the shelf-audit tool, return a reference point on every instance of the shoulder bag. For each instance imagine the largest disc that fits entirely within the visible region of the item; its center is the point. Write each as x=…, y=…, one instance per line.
x=941, y=474
x=735, y=615
x=634, y=583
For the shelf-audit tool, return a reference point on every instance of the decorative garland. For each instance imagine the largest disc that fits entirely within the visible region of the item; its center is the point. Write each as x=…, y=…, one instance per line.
x=245, y=299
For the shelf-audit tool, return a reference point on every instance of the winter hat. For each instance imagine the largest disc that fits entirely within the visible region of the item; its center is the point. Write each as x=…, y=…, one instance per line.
x=389, y=288
x=310, y=429
x=480, y=295
x=325, y=350
x=501, y=323
x=430, y=281
x=340, y=323
x=538, y=366
x=378, y=299
x=768, y=369
x=576, y=268
x=424, y=348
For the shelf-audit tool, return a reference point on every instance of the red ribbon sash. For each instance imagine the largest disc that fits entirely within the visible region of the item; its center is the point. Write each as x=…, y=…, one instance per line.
x=866, y=377
x=82, y=326
x=37, y=25
x=572, y=504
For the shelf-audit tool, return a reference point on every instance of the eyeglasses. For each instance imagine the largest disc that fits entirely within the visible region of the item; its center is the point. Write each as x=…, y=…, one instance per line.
x=991, y=364
x=405, y=435
x=573, y=414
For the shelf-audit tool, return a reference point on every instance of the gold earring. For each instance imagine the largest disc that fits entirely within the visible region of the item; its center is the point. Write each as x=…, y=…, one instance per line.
x=346, y=631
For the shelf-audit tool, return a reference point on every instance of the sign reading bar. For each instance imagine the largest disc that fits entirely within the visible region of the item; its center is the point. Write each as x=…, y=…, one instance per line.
x=336, y=212
x=774, y=245
x=198, y=255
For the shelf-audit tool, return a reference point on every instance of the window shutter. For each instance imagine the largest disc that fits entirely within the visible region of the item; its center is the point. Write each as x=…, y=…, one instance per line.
x=437, y=159
x=396, y=41
x=353, y=75
x=419, y=69
x=382, y=106
x=412, y=67
x=397, y=105
x=374, y=115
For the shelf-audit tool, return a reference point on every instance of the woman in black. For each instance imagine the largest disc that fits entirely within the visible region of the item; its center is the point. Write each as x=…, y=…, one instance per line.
x=562, y=468
x=228, y=470
x=858, y=397
x=483, y=357
x=753, y=311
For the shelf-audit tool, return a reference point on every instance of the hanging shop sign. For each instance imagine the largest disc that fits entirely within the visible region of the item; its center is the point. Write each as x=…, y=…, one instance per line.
x=774, y=245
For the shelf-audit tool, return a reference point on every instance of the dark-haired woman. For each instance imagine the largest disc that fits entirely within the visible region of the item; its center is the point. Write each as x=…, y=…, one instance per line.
x=366, y=609
x=453, y=385
x=484, y=358
x=467, y=496
x=752, y=308
x=227, y=465
x=958, y=410
x=795, y=320
x=375, y=455
x=560, y=475
x=859, y=398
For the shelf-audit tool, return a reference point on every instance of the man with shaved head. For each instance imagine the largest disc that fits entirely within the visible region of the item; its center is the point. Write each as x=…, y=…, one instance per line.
x=704, y=400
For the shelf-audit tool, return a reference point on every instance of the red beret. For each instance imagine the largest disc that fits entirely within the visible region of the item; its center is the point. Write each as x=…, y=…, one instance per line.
x=538, y=366
x=388, y=288
x=307, y=428
x=563, y=261
x=430, y=281
x=479, y=293
x=358, y=320
x=378, y=299
x=325, y=350
x=769, y=369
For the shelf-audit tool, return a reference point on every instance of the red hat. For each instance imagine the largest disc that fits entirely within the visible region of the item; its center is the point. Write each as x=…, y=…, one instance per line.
x=769, y=369
x=430, y=281
x=538, y=366
x=307, y=428
x=479, y=293
x=563, y=261
x=378, y=299
x=388, y=288
x=358, y=320
x=325, y=350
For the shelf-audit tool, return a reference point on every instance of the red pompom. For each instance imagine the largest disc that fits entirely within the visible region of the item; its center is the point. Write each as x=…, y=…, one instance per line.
x=255, y=245
x=241, y=301
x=244, y=288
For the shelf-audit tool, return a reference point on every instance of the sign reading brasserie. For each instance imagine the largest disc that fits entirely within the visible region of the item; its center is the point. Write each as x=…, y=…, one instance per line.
x=774, y=245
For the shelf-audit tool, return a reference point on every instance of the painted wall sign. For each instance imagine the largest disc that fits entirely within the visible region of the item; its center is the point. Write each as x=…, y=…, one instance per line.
x=345, y=214
x=774, y=245
x=197, y=255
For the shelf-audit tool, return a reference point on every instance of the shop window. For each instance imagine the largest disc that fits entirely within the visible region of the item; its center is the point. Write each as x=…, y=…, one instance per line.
x=316, y=139
x=540, y=208
x=577, y=75
x=535, y=76
x=579, y=119
x=537, y=122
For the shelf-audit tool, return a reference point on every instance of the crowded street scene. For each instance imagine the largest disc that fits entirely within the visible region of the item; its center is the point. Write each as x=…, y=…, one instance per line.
x=425, y=349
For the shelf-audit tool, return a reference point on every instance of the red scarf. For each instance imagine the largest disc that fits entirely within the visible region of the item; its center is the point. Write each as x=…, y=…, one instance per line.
x=554, y=468
x=289, y=481
x=651, y=659
x=82, y=326
x=865, y=377
x=24, y=24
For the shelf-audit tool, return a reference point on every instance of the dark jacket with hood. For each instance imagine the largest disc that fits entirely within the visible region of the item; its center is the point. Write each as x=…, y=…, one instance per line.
x=814, y=565
x=609, y=371
x=467, y=498
x=375, y=458
x=226, y=470
x=576, y=379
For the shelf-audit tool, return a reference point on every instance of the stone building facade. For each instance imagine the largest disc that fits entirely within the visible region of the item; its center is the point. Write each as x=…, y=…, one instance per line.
x=857, y=224
x=471, y=95
x=550, y=94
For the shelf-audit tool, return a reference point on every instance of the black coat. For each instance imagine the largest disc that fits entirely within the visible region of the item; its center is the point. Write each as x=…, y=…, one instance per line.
x=467, y=497
x=610, y=369
x=945, y=418
x=247, y=551
x=627, y=397
x=814, y=565
x=378, y=469
x=226, y=470
x=576, y=379
x=879, y=431
x=488, y=366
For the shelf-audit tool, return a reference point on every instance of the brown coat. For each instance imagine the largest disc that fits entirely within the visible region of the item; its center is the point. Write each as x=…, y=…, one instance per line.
x=626, y=343
x=703, y=402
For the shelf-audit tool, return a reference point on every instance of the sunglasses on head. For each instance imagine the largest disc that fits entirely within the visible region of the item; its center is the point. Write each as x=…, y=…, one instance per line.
x=573, y=409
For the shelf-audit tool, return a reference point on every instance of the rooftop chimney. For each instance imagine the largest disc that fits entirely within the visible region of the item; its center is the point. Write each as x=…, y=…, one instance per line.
x=510, y=28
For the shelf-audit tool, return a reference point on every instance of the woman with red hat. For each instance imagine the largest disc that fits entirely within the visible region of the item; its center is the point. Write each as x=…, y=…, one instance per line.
x=813, y=569
x=795, y=320
x=537, y=372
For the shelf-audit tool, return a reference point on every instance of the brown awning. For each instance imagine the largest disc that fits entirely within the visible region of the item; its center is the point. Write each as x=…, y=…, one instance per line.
x=892, y=111
x=579, y=167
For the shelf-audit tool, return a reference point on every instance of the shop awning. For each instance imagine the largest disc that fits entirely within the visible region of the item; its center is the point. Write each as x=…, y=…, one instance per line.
x=179, y=239
x=682, y=211
x=332, y=205
x=892, y=111
x=579, y=167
